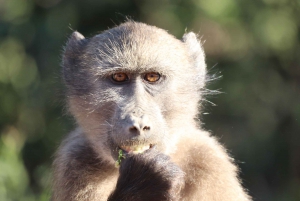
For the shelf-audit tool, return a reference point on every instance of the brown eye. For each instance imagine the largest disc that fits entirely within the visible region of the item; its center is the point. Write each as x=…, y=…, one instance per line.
x=152, y=77
x=120, y=77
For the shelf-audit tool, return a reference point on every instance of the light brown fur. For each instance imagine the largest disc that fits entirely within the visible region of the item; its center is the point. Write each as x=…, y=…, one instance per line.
x=84, y=165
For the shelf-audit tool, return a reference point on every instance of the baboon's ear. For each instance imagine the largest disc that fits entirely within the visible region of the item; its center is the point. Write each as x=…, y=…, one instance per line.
x=72, y=58
x=197, y=54
x=74, y=44
x=73, y=49
x=195, y=49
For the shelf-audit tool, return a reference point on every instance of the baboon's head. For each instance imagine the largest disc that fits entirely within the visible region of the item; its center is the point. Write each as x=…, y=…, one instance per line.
x=133, y=87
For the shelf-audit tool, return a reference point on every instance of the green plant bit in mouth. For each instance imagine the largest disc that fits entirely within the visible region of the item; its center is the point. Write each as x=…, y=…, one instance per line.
x=120, y=157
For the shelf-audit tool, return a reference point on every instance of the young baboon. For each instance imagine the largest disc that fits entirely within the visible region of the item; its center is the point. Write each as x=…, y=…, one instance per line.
x=134, y=91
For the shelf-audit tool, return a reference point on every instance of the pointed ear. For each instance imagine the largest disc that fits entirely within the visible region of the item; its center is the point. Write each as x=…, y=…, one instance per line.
x=196, y=52
x=74, y=43
x=73, y=50
x=72, y=59
x=195, y=49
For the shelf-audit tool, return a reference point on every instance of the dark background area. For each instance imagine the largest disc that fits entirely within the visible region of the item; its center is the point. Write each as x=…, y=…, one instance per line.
x=253, y=44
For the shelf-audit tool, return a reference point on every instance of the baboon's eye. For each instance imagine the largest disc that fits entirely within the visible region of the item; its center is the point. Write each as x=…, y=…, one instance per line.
x=152, y=77
x=120, y=77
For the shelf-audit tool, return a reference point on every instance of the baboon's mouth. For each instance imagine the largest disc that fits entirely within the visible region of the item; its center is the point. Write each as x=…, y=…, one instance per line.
x=136, y=149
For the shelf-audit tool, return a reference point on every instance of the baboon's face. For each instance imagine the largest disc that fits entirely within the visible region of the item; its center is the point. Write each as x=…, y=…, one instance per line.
x=135, y=120
x=131, y=89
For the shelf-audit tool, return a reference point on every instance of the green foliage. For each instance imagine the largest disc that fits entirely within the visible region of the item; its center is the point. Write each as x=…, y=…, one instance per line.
x=120, y=157
x=255, y=45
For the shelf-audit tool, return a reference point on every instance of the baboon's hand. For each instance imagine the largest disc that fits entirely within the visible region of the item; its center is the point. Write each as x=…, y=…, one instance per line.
x=148, y=176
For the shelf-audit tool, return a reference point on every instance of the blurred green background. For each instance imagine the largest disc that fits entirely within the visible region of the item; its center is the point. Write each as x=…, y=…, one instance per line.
x=253, y=44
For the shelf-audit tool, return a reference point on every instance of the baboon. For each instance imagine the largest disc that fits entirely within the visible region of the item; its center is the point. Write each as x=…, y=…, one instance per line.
x=135, y=92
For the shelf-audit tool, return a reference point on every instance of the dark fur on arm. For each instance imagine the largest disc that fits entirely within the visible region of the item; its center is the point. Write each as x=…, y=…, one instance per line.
x=148, y=176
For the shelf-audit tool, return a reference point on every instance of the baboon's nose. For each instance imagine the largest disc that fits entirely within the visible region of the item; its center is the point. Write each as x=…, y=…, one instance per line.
x=139, y=125
x=139, y=128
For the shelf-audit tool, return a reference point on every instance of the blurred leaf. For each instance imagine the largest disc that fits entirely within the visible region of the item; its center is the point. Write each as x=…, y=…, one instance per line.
x=11, y=10
x=277, y=28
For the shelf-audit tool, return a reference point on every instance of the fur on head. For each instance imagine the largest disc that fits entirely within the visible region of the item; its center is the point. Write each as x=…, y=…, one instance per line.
x=107, y=111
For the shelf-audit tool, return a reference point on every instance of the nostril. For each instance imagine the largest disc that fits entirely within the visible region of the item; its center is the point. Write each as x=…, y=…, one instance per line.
x=133, y=128
x=146, y=128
